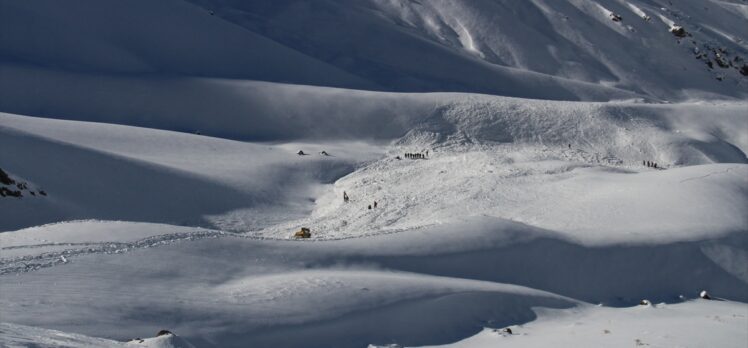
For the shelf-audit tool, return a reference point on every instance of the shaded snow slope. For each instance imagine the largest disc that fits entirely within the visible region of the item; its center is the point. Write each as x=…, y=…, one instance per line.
x=141, y=37
x=561, y=50
x=196, y=180
x=157, y=176
x=699, y=323
x=508, y=47
x=230, y=290
x=250, y=110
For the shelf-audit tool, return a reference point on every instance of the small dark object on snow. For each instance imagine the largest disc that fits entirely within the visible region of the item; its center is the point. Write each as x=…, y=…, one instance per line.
x=507, y=330
x=41, y=192
x=32, y=193
x=722, y=62
x=5, y=192
x=375, y=204
x=398, y=158
x=369, y=206
x=705, y=295
x=644, y=303
x=300, y=153
x=615, y=17
x=324, y=153
x=678, y=31
x=164, y=332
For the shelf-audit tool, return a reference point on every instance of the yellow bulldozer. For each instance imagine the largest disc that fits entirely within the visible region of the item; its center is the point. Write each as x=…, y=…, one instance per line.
x=303, y=233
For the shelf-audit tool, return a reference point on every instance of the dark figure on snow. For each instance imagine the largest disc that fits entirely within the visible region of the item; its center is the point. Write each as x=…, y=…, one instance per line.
x=569, y=146
x=375, y=204
x=369, y=206
x=300, y=153
x=345, y=197
x=397, y=158
x=655, y=165
x=644, y=163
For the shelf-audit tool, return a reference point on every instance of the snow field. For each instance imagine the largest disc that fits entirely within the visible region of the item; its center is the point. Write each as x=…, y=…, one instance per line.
x=690, y=324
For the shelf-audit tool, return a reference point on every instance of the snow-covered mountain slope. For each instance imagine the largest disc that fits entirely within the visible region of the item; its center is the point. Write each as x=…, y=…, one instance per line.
x=501, y=47
x=142, y=37
x=534, y=145
x=699, y=323
x=690, y=324
x=13, y=336
x=229, y=290
x=562, y=50
x=156, y=159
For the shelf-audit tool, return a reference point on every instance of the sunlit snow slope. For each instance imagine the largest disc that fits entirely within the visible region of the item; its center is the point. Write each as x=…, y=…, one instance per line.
x=157, y=158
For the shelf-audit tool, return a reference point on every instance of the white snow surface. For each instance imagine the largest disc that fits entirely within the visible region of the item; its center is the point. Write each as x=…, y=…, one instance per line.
x=690, y=324
x=164, y=136
x=17, y=336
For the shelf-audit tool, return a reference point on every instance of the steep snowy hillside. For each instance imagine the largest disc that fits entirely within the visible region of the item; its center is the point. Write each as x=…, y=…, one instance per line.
x=352, y=173
x=166, y=38
x=509, y=47
x=490, y=155
x=561, y=50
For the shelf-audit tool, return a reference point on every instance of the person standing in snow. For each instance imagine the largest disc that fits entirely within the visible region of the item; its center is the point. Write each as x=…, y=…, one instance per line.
x=369, y=206
x=345, y=197
x=375, y=204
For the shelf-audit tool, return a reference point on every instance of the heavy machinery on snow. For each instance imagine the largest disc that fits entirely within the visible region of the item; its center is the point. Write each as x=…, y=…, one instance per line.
x=303, y=233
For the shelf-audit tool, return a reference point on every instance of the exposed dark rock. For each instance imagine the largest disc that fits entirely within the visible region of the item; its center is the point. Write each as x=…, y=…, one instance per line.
x=5, y=179
x=5, y=192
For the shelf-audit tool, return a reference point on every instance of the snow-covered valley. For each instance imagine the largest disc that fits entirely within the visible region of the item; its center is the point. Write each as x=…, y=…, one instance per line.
x=542, y=166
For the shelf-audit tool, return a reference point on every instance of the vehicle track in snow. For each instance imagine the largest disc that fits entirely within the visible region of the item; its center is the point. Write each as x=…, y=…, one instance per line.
x=23, y=264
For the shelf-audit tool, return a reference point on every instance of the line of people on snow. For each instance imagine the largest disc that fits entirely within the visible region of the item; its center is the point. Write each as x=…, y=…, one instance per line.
x=302, y=153
x=347, y=199
x=416, y=155
x=650, y=164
